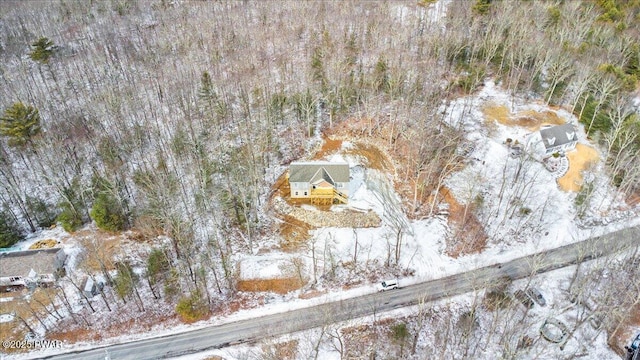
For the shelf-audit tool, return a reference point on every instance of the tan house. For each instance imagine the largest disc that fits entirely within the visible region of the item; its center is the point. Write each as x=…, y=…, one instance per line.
x=321, y=182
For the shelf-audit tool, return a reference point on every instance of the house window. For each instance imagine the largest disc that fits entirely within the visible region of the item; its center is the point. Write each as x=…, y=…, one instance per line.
x=305, y=193
x=296, y=193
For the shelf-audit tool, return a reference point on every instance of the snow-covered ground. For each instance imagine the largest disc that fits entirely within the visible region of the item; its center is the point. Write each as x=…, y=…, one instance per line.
x=423, y=241
x=421, y=256
x=586, y=342
x=550, y=224
x=56, y=233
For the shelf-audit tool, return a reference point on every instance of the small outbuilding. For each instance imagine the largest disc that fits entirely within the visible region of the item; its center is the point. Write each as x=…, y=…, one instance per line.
x=91, y=287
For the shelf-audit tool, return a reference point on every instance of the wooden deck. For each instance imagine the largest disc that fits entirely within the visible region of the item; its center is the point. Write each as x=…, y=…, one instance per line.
x=327, y=197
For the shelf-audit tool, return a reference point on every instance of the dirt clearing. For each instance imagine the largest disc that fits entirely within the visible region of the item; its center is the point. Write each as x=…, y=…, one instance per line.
x=529, y=119
x=468, y=236
x=371, y=156
x=294, y=233
x=627, y=332
x=579, y=160
x=100, y=249
x=29, y=310
x=279, y=286
x=329, y=147
x=44, y=244
x=287, y=350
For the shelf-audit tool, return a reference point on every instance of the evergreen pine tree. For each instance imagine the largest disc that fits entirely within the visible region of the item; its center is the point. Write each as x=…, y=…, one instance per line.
x=381, y=75
x=44, y=215
x=125, y=281
x=20, y=123
x=482, y=6
x=69, y=217
x=70, y=207
x=206, y=87
x=106, y=210
x=214, y=107
x=157, y=263
x=42, y=50
x=9, y=231
x=106, y=213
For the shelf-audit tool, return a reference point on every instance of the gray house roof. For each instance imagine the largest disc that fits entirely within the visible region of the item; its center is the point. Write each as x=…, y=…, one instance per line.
x=320, y=175
x=558, y=135
x=20, y=263
x=316, y=170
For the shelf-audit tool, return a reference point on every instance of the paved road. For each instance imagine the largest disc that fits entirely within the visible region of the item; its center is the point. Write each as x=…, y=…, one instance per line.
x=316, y=316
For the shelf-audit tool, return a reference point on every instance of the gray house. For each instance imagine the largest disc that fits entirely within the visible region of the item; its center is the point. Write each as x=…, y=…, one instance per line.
x=559, y=138
x=321, y=182
x=21, y=269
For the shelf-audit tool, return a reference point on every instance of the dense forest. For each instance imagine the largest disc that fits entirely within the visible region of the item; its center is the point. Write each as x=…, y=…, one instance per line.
x=175, y=118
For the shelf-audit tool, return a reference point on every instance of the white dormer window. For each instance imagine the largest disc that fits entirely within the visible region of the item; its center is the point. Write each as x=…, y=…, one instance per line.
x=551, y=141
x=571, y=135
x=32, y=274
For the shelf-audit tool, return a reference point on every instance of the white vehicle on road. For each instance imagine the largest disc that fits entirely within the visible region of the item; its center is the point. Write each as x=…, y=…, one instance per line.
x=388, y=285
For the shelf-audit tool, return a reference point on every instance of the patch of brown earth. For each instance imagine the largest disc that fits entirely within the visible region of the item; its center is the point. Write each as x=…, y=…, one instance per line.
x=529, y=119
x=633, y=199
x=367, y=340
x=312, y=294
x=72, y=333
x=298, y=221
x=139, y=236
x=469, y=236
x=100, y=249
x=13, y=330
x=359, y=341
x=279, y=286
x=625, y=333
x=329, y=147
x=535, y=119
x=241, y=300
x=287, y=350
x=371, y=156
x=147, y=228
x=43, y=244
x=27, y=310
x=294, y=233
x=580, y=159
x=13, y=294
x=346, y=218
x=281, y=186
